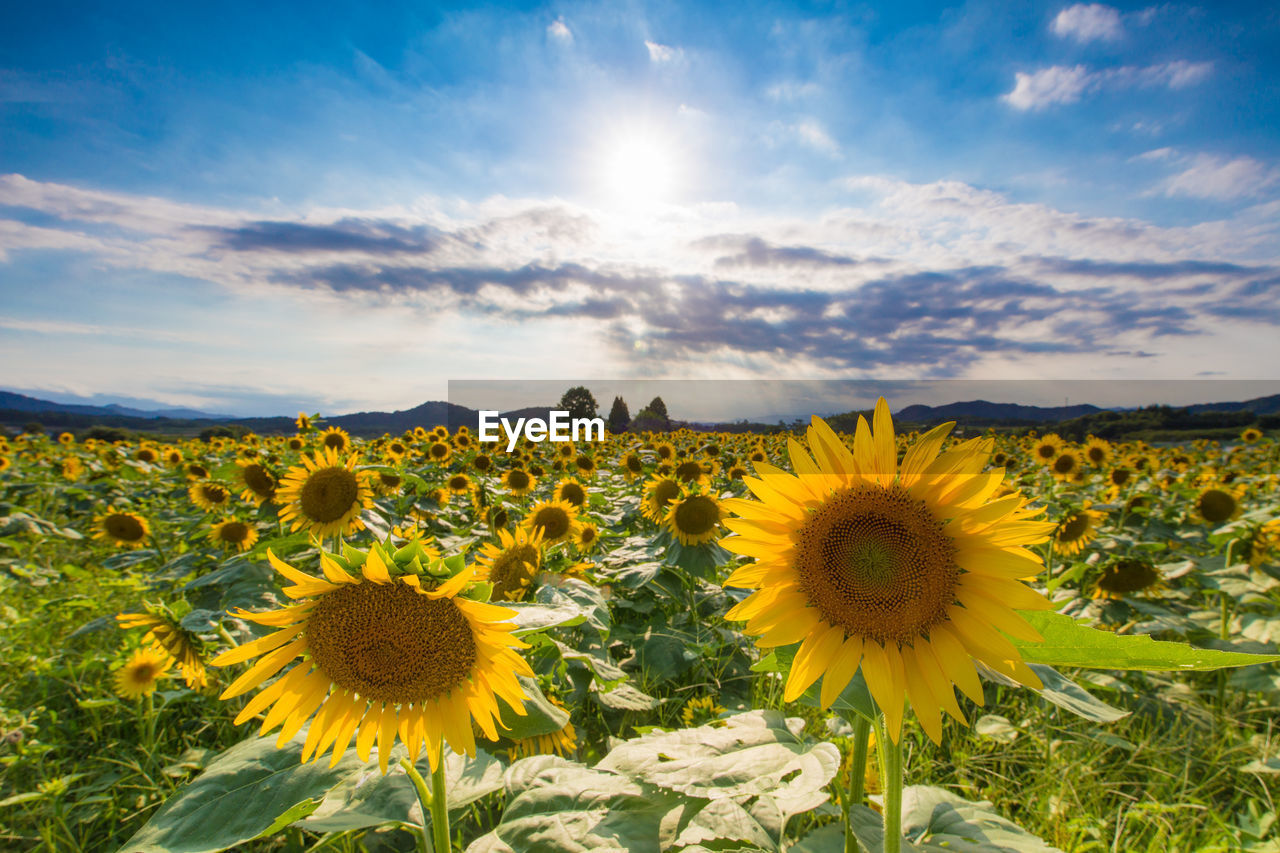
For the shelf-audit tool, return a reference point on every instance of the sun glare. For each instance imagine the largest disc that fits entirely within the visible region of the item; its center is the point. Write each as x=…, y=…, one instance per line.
x=638, y=168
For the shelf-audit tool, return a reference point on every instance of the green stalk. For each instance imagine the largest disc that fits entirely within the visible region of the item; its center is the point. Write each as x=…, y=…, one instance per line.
x=1224, y=629
x=149, y=724
x=424, y=799
x=891, y=784
x=857, y=784
x=440, y=807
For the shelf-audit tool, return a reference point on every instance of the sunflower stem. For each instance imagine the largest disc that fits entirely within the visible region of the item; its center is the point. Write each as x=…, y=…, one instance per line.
x=440, y=807
x=891, y=784
x=424, y=799
x=858, y=777
x=155, y=543
x=149, y=724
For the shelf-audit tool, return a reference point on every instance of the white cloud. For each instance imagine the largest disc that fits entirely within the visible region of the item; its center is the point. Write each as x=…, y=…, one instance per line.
x=1060, y=84
x=559, y=31
x=1212, y=177
x=1087, y=22
x=791, y=90
x=815, y=136
x=661, y=53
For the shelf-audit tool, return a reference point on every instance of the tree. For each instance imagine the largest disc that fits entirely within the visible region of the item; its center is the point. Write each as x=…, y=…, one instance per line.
x=619, y=416
x=658, y=407
x=579, y=403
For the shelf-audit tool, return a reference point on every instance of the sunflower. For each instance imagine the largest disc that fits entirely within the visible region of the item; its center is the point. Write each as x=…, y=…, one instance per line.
x=72, y=468
x=585, y=465
x=167, y=637
x=587, y=539
x=139, y=676
x=1120, y=476
x=210, y=496
x=303, y=422
x=325, y=495
x=296, y=442
x=1065, y=465
x=1249, y=436
x=558, y=521
x=699, y=710
x=387, y=651
x=1127, y=576
x=497, y=517
x=5, y=463
x=563, y=742
x=666, y=450
x=146, y=454
x=658, y=493
x=907, y=571
x=571, y=492
x=439, y=452
x=518, y=482
x=1097, y=451
x=482, y=462
x=259, y=485
x=67, y=439
x=512, y=564
x=396, y=449
x=123, y=528
x=632, y=466
x=232, y=534
x=335, y=439
x=1077, y=529
x=459, y=484
x=694, y=518
x=1218, y=504
x=692, y=471
x=1046, y=449
x=736, y=472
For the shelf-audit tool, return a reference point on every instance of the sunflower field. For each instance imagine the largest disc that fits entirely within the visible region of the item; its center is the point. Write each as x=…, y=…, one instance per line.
x=679, y=641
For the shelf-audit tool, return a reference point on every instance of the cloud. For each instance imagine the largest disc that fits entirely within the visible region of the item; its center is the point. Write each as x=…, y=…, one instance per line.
x=347, y=235
x=1087, y=22
x=1211, y=177
x=661, y=53
x=559, y=31
x=1060, y=84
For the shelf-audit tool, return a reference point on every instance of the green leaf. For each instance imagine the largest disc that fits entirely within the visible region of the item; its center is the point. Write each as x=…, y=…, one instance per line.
x=742, y=755
x=1071, y=643
x=563, y=806
x=624, y=697
x=540, y=717
x=242, y=794
x=934, y=821
x=367, y=798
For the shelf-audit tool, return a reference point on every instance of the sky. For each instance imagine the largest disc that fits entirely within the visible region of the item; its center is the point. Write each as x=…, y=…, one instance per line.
x=336, y=208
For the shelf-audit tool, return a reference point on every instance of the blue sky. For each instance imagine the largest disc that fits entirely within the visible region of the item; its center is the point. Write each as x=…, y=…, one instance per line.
x=342, y=207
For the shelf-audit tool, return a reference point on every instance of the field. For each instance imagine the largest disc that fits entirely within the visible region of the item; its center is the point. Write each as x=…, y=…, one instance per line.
x=136, y=578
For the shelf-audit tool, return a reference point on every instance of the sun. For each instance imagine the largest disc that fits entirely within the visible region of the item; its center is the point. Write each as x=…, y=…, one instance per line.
x=638, y=167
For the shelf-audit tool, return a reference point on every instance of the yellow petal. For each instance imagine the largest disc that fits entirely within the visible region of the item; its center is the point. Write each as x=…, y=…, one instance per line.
x=956, y=662
x=268, y=666
x=256, y=647
x=837, y=677
x=333, y=572
x=885, y=452
x=374, y=569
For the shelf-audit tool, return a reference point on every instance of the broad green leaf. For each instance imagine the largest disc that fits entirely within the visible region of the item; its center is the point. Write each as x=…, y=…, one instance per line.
x=997, y=728
x=624, y=697
x=367, y=798
x=725, y=820
x=240, y=795
x=1063, y=692
x=540, y=717
x=563, y=806
x=743, y=755
x=1071, y=643
x=934, y=821
x=540, y=617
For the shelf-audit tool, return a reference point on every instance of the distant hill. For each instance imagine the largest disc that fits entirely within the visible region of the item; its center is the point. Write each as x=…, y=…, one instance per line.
x=981, y=410
x=1258, y=405
x=22, y=403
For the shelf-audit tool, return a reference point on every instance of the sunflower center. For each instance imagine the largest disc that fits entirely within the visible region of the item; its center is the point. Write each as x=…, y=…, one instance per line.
x=634, y=465
x=573, y=493
x=215, y=494
x=1128, y=576
x=1073, y=527
x=517, y=479
x=553, y=520
x=697, y=515
x=389, y=480
x=124, y=527
x=689, y=471
x=258, y=480
x=335, y=441
x=1064, y=463
x=1217, y=505
x=391, y=644
x=1097, y=454
x=1120, y=476
x=876, y=562
x=1046, y=451
x=665, y=492
x=234, y=531
x=328, y=494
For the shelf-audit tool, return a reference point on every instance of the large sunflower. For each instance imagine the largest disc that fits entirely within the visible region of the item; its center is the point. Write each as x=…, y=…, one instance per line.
x=512, y=564
x=123, y=528
x=909, y=571
x=325, y=495
x=387, y=651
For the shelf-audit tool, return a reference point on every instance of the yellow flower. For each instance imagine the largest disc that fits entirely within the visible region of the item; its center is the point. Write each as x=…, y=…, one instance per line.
x=694, y=518
x=210, y=496
x=123, y=528
x=519, y=482
x=335, y=439
x=512, y=564
x=699, y=710
x=558, y=521
x=659, y=492
x=167, y=636
x=571, y=492
x=1128, y=576
x=1219, y=504
x=1076, y=530
x=562, y=742
x=325, y=495
x=259, y=485
x=231, y=533
x=384, y=655
x=908, y=571
x=139, y=676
